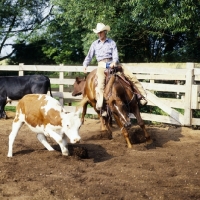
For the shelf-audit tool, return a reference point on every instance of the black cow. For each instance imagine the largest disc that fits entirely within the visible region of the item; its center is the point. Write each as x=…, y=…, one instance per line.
x=15, y=87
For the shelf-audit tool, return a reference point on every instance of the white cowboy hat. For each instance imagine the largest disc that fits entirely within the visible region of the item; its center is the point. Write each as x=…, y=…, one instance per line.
x=101, y=27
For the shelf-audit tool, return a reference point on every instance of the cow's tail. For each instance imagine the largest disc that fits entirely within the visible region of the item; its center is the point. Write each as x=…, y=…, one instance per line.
x=50, y=89
x=49, y=86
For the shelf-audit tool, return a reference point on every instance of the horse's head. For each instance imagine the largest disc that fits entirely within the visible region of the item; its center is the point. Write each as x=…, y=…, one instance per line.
x=118, y=100
x=79, y=86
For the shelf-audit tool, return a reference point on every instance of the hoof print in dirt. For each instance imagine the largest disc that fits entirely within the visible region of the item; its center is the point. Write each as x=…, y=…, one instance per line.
x=150, y=146
x=79, y=152
x=136, y=136
x=102, y=135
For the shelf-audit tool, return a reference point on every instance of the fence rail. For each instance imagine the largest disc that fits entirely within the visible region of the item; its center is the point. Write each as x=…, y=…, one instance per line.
x=178, y=79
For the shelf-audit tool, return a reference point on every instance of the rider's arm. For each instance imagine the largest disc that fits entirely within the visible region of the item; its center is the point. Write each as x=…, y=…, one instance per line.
x=115, y=56
x=89, y=57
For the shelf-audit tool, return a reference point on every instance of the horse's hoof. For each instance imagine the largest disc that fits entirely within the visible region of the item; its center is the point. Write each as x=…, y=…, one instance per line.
x=129, y=146
x=149, y=141
x=110, y=137
x=106, y=135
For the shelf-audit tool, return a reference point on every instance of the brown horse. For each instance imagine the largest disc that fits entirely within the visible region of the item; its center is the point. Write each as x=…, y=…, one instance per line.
x=120, y=100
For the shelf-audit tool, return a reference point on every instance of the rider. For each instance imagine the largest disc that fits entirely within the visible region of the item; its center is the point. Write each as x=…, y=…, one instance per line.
x=106, y=53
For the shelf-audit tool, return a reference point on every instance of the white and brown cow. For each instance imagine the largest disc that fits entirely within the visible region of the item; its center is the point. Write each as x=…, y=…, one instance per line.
x=45, y=116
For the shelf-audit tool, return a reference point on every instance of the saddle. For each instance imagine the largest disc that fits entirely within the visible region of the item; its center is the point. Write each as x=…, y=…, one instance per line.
x=118, y=71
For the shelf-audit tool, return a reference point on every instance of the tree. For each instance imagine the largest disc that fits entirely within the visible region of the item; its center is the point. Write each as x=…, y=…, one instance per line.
x=174, y=25
x=24, y=54
x=83, y=16
x=20, y=19
x=63, y=42
x=145, y=31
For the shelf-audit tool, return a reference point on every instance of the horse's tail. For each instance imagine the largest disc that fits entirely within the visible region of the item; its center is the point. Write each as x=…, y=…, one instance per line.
x=82, y=102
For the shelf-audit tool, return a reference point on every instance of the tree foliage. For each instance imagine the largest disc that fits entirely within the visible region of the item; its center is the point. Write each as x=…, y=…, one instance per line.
x=30, y=53
x=145, y=31
x=19, y=19
x=175, y=25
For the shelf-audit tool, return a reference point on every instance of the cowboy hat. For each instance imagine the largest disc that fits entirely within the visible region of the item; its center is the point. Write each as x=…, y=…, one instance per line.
x=101, y=27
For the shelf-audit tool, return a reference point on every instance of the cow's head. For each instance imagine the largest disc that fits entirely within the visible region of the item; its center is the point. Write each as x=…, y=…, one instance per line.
x=71, y=125
x=79, y=86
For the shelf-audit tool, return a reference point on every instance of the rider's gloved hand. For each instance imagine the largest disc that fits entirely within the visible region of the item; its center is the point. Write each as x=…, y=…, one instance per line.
x=84, y=69
x=112, y=64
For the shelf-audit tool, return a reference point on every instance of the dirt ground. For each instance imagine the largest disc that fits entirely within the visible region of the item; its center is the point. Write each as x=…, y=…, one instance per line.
x=168, y=169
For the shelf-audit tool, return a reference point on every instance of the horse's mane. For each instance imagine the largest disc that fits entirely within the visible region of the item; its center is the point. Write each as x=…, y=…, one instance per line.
x=109, y=86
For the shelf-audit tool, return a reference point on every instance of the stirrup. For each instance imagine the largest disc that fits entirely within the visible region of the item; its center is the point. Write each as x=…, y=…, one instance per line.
x=139, y=97
x=104, y=113
x=143, y=102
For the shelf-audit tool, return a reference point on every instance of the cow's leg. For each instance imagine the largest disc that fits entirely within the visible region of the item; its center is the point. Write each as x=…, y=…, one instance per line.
x=61, y=140
x=84, y=112
x=15, y=128
x=41, y=137
x=2, y=108
x=64, y=143
x=103, y=125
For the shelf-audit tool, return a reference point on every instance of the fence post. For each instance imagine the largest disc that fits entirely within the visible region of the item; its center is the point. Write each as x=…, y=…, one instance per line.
x=21, y=71
x=61, y=87
x=188, y=93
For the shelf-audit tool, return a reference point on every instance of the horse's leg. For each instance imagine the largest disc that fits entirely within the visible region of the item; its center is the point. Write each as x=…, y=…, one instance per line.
x=124, y=131
x=140, y=122
x=84, y=112
x=103, y=127
x=104, y=122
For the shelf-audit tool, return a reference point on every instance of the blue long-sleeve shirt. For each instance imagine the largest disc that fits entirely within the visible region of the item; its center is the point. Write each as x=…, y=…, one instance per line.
x=107, y=49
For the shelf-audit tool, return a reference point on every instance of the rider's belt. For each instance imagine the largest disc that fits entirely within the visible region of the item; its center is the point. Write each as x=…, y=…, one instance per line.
x=106, y=60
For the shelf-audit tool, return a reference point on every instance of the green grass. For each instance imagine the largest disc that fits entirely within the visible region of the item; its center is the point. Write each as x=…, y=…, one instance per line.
x=10, y=108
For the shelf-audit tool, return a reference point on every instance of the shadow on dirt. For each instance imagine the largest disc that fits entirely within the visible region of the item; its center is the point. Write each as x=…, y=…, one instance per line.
x=77, y=151
x=87, y=151
x=99, y=135
x=160, y=135
x=23, y=152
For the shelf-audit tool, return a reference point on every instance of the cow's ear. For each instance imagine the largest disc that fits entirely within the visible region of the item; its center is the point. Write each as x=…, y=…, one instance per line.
x=78, y=80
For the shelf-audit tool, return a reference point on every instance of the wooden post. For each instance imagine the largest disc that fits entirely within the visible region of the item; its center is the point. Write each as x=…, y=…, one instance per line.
x=178, y=93
x=61, y=86
x=21, y=71
x=188, y=93
x=152, y=81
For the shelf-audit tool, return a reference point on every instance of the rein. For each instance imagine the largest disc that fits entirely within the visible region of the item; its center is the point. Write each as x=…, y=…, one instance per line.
x=133, y=94
x=124, y=84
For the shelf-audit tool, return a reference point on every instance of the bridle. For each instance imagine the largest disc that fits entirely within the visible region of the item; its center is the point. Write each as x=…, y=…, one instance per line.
x=133, y=94
x=124, y=87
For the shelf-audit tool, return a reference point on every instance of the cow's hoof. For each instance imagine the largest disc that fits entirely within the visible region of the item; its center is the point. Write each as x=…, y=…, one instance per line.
x=65, y=153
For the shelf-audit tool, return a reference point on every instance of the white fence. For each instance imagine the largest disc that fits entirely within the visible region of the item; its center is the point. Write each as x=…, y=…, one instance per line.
x=178, y=79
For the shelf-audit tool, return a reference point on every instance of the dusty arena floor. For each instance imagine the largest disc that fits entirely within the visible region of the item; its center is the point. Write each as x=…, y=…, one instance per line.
x=169, y=169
